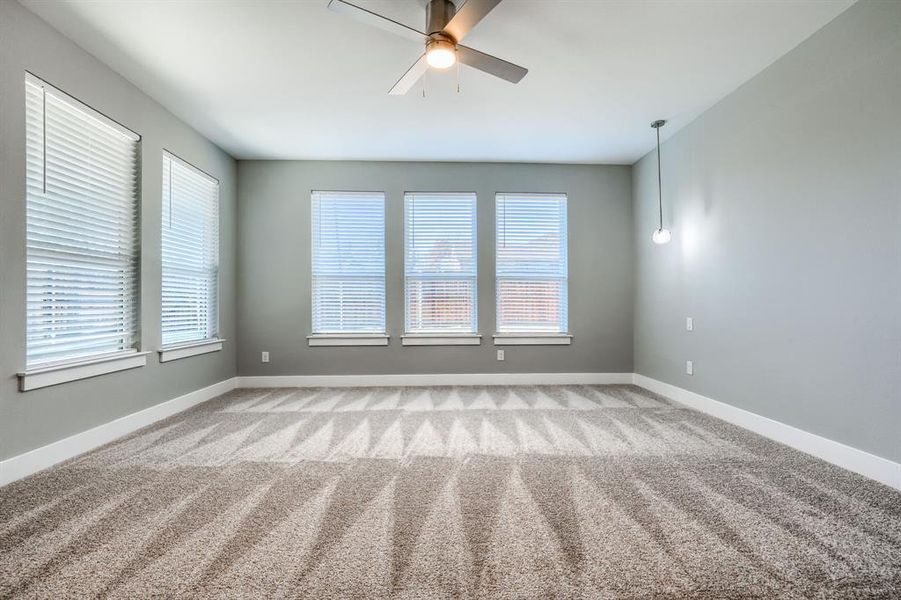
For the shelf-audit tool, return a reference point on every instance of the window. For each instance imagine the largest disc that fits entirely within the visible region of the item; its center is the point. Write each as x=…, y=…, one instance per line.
x=190, y=254
x=81, y=232
x=440, y=263
x=348, y=231
x=531, y=263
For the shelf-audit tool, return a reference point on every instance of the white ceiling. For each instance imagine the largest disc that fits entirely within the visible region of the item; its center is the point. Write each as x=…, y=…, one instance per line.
x=293, y=80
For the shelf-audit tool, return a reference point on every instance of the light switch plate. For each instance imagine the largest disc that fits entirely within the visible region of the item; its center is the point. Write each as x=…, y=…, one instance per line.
x=265, y=357
x=689, y=324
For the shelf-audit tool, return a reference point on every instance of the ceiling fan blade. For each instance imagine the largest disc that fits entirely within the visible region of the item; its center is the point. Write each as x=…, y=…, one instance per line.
x=468, y=17
x=376, y=20
x=410, y=78
x=490, y=64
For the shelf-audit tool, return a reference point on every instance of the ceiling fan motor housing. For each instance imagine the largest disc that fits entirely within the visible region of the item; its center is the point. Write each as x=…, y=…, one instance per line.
x=440, y=42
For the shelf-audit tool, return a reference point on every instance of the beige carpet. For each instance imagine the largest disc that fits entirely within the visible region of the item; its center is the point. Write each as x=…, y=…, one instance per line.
x=500, y=492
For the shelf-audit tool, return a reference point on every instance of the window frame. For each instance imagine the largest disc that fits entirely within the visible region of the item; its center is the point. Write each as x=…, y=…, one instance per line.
x=348, y=338
x=53, y=371
x=441, y=337
x=523, y=337
x=212, y=342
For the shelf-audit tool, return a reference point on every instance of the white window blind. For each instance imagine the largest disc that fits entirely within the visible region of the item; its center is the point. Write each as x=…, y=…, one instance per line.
x=190, y=253
x=531, y=263
x=81, y=230
x=440, y=262
x=348, y=262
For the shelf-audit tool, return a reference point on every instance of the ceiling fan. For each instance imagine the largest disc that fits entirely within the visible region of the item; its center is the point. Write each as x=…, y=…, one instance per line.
x=445, y=28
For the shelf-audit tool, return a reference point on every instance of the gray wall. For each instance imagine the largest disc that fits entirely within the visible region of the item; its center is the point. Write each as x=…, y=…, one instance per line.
x=274, y=266
x=785, y=205
x=33, y=419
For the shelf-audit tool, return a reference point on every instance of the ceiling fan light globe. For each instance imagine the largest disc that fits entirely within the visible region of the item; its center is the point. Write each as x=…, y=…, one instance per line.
x=441, y=55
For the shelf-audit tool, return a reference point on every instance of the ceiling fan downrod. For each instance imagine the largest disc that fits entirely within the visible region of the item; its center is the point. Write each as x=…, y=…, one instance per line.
x=438, y=14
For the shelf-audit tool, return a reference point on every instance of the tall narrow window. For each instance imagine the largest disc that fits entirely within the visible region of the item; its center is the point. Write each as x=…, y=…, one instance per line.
x=348, y=231
x=190, y=256
x=81, y=230
x=440, y=263
x=531, y=263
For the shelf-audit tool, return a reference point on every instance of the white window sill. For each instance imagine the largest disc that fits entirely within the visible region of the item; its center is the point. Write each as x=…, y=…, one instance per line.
x=177, y=351
x=82, y=369
x=441, y=339
x=348, y=339
x=532, y=339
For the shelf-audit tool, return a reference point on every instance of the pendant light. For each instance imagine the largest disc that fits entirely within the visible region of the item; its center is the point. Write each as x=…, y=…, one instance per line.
x=660, y=235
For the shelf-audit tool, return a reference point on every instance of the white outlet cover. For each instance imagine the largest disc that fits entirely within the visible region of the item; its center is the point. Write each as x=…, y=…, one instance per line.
x=689, y=324
x=689, y=367
x=500, y=355
x=265, y=357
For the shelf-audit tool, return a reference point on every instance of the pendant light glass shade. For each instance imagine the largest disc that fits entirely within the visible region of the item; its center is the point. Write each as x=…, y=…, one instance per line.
x=661, y=235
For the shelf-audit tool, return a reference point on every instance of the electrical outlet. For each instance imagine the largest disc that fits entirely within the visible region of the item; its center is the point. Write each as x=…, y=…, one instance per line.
x=500, y=355
x=265, y=358
x=689, y=324
x=689, y=367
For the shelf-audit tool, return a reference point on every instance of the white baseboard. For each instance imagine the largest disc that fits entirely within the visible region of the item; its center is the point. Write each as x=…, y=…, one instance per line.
x=864, y=463
x=433, y=379
x=39, y=459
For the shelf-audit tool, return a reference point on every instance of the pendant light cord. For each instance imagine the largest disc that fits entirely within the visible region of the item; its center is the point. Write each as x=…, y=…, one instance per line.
x=659, y=181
